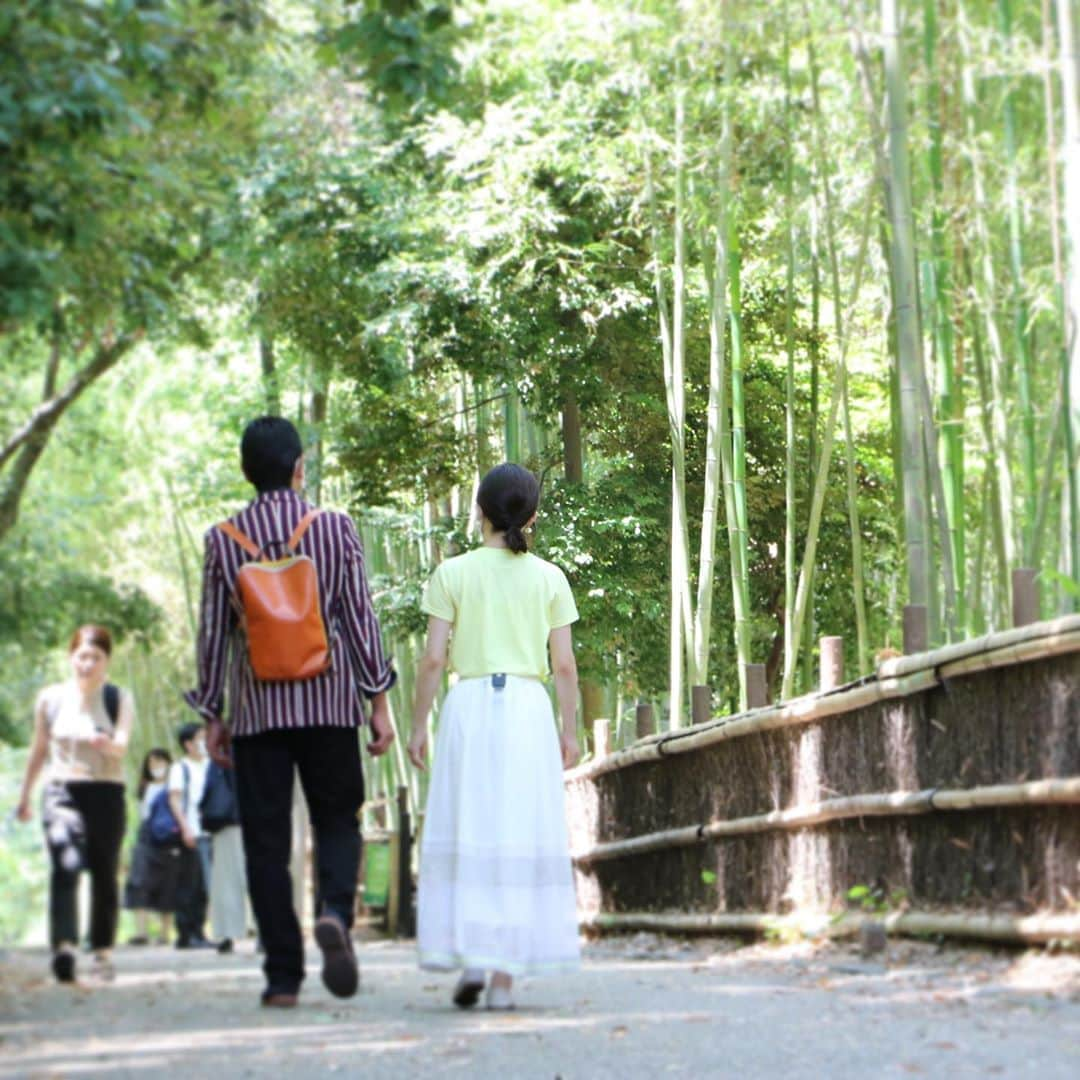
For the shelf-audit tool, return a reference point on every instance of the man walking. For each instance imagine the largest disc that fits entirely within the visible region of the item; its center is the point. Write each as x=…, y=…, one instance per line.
x=305, y=723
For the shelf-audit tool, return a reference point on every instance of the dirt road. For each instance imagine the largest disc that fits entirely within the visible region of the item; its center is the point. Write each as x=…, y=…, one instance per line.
x=641, y=1006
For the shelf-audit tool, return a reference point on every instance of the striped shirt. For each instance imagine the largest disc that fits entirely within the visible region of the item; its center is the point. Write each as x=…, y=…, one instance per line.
x=358, y=666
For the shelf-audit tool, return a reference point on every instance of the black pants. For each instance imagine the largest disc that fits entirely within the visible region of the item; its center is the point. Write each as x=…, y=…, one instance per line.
x=192, y=890
x=84, y=828
x=328, y=760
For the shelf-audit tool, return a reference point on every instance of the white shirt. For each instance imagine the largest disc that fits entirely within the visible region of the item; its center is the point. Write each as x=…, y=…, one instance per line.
x=196, y=784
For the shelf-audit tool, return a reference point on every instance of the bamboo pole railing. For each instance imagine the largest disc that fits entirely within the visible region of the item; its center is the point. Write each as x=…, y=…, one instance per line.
x=887, y=804
x=897, y=678
x=1007, y=929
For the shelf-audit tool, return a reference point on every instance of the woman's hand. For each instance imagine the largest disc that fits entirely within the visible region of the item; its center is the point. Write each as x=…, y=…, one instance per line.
x=23, y=811
x=418, y=748
x=568, y=747
x=101, y=741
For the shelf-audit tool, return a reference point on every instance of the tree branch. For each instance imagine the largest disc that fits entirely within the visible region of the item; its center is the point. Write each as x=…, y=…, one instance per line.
x=29, y=442
x=45, y=416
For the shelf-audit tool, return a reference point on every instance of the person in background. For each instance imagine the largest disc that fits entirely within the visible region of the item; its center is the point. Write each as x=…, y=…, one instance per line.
x=82, y=728
x=228, y=883
x=152, y=877
x=187, y=778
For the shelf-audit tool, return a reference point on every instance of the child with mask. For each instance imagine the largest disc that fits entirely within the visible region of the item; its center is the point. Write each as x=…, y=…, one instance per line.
x=152, y=878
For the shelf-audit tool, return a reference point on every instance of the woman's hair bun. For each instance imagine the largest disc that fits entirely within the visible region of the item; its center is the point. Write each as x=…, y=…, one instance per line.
x=515, y=540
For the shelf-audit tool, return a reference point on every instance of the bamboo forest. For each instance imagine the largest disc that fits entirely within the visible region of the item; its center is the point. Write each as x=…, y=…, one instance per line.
x=779, y=299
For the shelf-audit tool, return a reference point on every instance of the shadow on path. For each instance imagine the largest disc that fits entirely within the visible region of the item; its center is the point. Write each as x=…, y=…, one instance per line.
x=641, y=1006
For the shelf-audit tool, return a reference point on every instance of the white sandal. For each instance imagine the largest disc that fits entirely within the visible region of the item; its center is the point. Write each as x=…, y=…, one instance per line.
x=499, y=999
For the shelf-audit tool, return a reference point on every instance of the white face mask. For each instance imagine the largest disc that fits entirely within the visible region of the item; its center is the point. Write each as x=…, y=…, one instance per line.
x=200, y=747
x=158, y=771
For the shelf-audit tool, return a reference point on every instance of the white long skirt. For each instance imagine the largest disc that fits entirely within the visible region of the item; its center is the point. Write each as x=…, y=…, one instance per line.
x=496, y=886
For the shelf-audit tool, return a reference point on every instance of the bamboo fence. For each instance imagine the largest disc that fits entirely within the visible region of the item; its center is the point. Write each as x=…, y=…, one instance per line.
x=897, y=678
x=1007, y=929
x=896, y=803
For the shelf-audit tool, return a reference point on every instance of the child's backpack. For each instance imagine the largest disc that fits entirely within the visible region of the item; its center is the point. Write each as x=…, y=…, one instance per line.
x=278, y=604
x=161, y=823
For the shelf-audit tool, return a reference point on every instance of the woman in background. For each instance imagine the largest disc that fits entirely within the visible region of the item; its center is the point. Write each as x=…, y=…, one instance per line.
x=81, y=728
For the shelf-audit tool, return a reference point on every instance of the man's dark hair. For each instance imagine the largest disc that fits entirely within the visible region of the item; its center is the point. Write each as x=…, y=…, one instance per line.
x=509, y=495
x=186, y=732
x=269, y=451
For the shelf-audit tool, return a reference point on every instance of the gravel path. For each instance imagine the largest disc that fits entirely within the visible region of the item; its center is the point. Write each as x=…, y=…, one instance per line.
x=641, y=1006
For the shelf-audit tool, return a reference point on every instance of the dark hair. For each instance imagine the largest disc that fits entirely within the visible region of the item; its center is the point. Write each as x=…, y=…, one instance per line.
x=269, y=451
x=91, y=634
x=145, y=779
x=509, y=495
x=186, y=732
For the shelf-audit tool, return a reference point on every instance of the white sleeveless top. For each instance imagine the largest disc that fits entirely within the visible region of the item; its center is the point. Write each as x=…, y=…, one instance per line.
x=71, y=725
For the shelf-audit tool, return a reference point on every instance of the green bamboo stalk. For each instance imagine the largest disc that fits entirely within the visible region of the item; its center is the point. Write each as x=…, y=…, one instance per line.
x=985, y=290
x=976, y=605
x=854, y=524
x=997, y=517
x=790, y=518
x=1019, y=308
x=1070, y=369
x=512, y=426
x=938, y=309
x=738, y=446
x=821, y=477
x=716, y=280
x=909, y=333
x=672, y=341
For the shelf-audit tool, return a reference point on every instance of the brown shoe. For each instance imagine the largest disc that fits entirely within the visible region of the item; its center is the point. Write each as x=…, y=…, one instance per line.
x=279, y=1000
x=340, y=974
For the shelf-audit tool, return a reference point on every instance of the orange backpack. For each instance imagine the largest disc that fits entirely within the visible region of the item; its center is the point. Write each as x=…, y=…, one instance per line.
x=278, y=604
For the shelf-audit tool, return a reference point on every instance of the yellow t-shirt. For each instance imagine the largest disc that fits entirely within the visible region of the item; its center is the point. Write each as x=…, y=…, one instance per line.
x=502, y=606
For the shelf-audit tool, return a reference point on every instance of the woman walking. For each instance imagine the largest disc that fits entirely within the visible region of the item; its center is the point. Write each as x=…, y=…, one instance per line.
x=151, y=883
x=81, y=727
x=496, y=886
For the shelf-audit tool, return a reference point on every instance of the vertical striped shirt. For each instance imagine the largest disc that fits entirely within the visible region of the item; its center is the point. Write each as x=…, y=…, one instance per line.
x=358, y=665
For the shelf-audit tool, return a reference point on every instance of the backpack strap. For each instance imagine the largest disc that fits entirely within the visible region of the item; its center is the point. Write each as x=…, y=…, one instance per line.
x=233, y=533
x=301, y=528
x=112, y=702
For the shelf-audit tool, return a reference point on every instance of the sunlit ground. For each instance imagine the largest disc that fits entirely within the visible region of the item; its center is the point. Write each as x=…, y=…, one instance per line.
x=641, y=1006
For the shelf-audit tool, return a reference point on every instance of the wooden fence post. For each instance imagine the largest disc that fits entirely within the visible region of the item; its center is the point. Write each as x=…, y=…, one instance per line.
x=1025, y=597
x=757, y=687
x=832, y=662
x=601, y=738
x=405, y=921
x=644, y=720
x=916, y=629
x=700, y=704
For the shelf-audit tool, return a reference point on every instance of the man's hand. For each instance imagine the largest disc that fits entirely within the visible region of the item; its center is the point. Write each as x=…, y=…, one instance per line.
x=381, y=729
x=188, y=837
x=568, y=747
x=219, y=744
x=418, y=748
